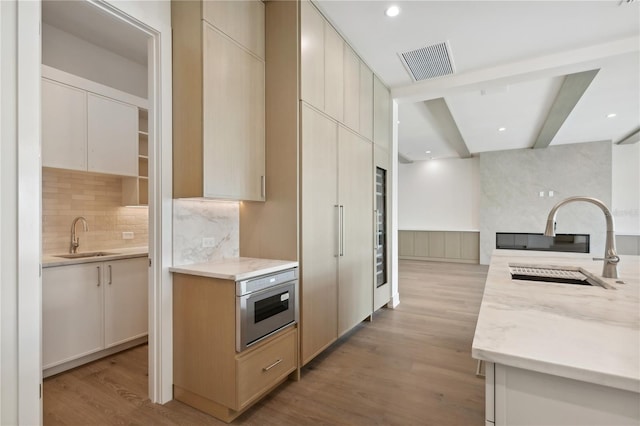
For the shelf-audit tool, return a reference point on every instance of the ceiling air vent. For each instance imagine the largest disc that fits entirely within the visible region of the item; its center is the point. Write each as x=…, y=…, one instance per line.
x=428, y=62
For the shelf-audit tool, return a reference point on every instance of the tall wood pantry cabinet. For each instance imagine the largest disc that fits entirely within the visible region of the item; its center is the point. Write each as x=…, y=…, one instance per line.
x=218, y=99
x=320, y=172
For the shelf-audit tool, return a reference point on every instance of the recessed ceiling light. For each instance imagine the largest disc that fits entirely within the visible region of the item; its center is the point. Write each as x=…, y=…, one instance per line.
x=427, y=152
x=613, y=114
x=392, y=11
x=502, y=129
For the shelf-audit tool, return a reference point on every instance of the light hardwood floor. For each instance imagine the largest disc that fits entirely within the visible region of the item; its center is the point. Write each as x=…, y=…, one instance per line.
x=409, y=366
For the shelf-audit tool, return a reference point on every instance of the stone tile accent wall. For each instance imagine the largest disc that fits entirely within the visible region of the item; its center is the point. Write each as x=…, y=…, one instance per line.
x=67, y=194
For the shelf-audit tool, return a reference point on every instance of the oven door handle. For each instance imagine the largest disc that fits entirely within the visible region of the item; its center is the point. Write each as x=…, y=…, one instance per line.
x=265, y=369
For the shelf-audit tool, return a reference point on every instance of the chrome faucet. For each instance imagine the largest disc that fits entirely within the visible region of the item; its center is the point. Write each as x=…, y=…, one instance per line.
x=611, y=259
x=75, y=241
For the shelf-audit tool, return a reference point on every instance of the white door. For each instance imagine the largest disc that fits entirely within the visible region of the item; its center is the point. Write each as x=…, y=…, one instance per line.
x=64, y=126
x=125, y=300
x=71, y=312
x=112, y=136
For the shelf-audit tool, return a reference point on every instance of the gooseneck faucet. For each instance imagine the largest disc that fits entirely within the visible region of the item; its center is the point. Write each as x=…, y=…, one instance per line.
x=611, y=259
x=75, y=241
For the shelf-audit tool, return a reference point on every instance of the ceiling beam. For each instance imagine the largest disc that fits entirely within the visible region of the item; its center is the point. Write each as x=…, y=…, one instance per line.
x=633, y=137
x=446, y=125
x=554, y=65
x=572, y=89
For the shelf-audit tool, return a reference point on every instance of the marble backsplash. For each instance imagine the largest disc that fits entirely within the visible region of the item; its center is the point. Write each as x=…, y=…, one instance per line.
x=511, y=182
x=198, y=223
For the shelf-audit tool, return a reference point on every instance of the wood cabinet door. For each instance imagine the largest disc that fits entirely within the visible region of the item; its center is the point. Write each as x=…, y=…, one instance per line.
x=381, y=114
x=312, y=56
x=72, y=324
x=234, y=120
x=319, y=230
x=333, y=72
x=64, y=126
x=351, y=112
x=112, y=136
x=366, y=102
x=355, y=183
x=125, y=300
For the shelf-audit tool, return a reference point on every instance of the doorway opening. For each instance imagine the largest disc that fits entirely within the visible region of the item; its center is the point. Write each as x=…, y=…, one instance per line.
x=98, y=156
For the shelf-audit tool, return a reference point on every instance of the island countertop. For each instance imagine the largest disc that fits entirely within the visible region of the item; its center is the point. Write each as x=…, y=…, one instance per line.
x=236, y=268
x=585, y=333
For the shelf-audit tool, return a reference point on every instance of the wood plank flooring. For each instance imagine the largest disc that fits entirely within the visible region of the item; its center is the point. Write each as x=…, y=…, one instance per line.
x=409, y=366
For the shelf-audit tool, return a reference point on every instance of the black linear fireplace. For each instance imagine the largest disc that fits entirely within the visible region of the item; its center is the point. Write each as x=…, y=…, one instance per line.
x=573, y=243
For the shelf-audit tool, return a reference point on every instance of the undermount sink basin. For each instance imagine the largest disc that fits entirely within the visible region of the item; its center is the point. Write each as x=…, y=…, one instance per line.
x=556, y=274
x=88, y=254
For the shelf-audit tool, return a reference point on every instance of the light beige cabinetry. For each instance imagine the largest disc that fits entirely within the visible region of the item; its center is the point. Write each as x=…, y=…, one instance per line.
x=381, y=114
x=365, y=127
x=218, y=100
x=207, y=372
x=450, y=246
x=320, y=233
x=93, y=306
x=355, y=281
x=88, y=132
x=322, y=166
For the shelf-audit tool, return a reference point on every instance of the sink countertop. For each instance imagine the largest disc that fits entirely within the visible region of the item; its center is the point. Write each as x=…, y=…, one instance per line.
x=585, y=333
x=235, y=269
x=50, y=260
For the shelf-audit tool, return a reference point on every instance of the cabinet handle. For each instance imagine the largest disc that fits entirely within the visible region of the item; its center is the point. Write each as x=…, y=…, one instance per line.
x=265, y=369
x=377, y=237
x=98, y=275
x=109, y=274
x=338, y=230
x=342, y=225
x=263, y=187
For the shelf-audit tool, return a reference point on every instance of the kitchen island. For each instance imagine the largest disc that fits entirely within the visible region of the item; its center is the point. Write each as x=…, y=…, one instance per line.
x=560, y=354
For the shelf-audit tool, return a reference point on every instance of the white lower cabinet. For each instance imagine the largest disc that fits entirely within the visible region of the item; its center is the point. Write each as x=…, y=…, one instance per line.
x=89, y=307
x=525, y=397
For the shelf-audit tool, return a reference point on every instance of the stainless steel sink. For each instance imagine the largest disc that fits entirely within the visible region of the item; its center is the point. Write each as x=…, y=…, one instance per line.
x=556, y=274
x=83, y=255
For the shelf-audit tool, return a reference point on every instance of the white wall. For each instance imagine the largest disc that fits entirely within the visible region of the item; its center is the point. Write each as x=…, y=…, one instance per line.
x=69, y=53
x=626, y=188
x=439, y=195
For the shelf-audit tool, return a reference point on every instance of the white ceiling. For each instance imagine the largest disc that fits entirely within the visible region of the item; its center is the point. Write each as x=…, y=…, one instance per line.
x=88, y=22
x=518, y=52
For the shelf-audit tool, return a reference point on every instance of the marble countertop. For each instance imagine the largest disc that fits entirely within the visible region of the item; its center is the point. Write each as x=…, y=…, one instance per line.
x=235, y=269
x=585, y=333
x=50, y=260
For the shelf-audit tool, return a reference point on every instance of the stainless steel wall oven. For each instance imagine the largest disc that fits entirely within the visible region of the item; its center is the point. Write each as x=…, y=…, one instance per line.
x=265, y=305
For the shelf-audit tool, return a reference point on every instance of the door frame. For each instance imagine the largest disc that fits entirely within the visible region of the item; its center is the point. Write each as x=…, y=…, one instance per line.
x=24, y=194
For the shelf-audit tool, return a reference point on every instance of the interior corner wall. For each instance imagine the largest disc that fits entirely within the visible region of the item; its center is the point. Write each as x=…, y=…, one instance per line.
x=626, y=189
x=69, y=53
x=511, y=182
x=439, y=195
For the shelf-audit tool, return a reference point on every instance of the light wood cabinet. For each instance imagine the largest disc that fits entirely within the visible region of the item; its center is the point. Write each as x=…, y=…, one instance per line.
x=319, y=244
x=365, y=127
x=381, y=114
x=218, y=100
x=449, y=246
x=64, y=126
x=355, y=281
x=351, y=112
x=314, y=89
x=89, y=307
x=88, y=132
x=208, y=373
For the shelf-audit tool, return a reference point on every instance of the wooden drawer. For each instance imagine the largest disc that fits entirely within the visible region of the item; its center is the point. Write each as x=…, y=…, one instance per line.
x=262, y=368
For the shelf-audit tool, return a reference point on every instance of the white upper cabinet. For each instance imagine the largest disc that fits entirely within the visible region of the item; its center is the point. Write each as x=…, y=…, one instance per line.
x=112, y=135
x=366, y=102
x=64, y=126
